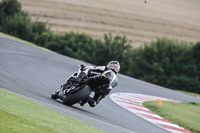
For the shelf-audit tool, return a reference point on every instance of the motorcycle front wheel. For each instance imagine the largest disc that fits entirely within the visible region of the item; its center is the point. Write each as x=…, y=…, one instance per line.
x=54, y=95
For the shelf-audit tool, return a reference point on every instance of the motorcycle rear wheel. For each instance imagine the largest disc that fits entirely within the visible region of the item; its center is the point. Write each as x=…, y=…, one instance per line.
x=77, y=96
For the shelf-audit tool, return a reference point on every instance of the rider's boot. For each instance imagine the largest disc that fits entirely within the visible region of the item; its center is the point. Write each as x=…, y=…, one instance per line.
x=91, y=102
x=83, y=102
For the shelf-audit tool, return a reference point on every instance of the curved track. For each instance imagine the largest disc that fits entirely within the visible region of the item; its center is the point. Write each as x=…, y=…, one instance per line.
x=35, y=73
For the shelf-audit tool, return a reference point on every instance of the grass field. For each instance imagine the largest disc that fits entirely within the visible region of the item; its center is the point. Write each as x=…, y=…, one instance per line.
x=186, y=115
x=19, y=115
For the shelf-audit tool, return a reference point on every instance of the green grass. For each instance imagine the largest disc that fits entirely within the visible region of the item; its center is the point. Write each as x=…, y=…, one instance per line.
x=19, y=115
x=190, y=93
x=186, y=115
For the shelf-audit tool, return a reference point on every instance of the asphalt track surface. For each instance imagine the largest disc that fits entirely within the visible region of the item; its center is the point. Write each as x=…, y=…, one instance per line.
x=34, y=73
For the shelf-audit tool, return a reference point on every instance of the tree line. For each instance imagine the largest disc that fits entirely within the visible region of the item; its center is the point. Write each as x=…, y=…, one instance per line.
x=165, y=62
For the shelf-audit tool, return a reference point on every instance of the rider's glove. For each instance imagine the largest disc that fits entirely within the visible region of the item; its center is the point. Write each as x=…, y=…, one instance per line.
x=82, y=67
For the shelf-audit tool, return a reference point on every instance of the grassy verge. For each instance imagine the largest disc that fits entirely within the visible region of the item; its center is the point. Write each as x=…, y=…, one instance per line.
x=186, y=115
x=20, y=115
x=190, y=93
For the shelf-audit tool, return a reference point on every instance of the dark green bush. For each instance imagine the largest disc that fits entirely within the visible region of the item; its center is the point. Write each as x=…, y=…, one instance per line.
x=183, y=83
x=9, y=8
x=167, y=63
x=18, y=23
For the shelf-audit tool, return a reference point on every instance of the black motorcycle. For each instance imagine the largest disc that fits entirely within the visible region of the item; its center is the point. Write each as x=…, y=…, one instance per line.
x=75, y=90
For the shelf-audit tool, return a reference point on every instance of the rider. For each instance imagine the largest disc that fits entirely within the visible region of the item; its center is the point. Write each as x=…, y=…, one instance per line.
x=102, y=83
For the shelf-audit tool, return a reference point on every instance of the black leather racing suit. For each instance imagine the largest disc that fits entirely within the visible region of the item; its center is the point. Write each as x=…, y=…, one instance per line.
x=102, y=80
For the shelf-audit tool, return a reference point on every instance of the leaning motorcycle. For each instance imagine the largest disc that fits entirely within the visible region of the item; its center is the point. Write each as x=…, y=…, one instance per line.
x=73, y=92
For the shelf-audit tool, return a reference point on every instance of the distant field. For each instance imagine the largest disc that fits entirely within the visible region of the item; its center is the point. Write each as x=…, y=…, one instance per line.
x=140, y=22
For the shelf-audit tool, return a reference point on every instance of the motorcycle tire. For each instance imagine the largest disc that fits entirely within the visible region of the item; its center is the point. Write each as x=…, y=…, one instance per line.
x=54, y=95
x=77, y=96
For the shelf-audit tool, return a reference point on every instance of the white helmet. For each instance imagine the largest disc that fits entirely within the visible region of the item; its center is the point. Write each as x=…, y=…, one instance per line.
x=114, y=65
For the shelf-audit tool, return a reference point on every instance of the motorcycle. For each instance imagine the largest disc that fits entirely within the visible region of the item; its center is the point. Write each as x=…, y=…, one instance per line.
x=75, y=90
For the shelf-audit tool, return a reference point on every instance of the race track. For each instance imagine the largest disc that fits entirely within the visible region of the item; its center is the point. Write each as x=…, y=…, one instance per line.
x=35, y=73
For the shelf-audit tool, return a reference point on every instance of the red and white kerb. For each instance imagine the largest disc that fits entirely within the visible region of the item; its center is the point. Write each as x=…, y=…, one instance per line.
x=133, y=103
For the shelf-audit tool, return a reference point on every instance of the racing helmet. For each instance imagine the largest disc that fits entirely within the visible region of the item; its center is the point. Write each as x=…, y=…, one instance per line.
x=114, y=65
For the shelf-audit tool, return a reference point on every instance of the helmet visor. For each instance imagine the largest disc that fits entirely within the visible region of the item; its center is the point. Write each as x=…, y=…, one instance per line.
x=114, y=67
